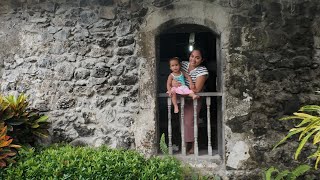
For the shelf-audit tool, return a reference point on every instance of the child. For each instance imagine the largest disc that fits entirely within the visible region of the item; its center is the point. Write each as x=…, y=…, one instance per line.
x=179, y=76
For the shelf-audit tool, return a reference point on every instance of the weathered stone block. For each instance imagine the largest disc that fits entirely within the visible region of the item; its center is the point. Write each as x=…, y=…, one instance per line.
x=117, y=70
x=107, y=12
x=104, y=43
x=105, y=2
x=161, y=3
x=102, y=89
x=125, y=41
x=124, y=28
x=88, y=17
x=124, y=51
x=66, y=103
x=100, y=70
x=129, y=79
x=64, y=71
x=81, y=73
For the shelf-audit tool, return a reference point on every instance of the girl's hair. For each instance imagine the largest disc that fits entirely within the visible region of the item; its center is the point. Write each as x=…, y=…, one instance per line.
x=174, y=59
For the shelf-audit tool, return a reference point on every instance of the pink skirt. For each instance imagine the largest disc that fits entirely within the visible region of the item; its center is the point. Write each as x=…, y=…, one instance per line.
x=184, y=90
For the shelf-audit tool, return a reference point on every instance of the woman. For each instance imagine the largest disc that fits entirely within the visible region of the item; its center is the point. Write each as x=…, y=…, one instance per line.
x=199, y=75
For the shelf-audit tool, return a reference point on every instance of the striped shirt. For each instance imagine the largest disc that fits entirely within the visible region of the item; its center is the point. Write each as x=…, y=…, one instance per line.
x=198, y=71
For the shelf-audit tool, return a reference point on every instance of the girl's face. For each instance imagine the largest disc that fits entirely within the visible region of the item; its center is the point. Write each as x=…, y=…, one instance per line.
x=195, y=58
x=174, y=66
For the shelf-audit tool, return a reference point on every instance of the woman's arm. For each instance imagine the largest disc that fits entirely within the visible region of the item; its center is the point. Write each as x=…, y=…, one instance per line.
x=187, y=76
x=199, y=83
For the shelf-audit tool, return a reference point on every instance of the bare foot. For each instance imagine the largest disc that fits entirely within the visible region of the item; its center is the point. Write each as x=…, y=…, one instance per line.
x=176, y=109
x=191, y=151
x=195, y=97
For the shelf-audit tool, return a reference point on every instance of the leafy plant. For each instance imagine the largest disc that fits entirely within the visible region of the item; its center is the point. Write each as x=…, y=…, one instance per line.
x=163, y=146
x=163, y=168
x=274, y=174
x=309, y=126
x=24, y=124
x=7, y=150
x=67, y=162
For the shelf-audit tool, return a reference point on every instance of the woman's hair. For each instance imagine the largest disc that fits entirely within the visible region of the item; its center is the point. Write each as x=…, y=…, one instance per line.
x=174, y=59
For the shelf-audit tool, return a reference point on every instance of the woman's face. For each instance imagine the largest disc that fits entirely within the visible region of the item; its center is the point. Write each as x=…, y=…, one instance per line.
x=195, y=58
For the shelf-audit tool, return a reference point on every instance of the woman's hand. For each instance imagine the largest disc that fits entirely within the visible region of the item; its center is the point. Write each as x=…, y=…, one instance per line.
x=175, y=83
x=169, y=93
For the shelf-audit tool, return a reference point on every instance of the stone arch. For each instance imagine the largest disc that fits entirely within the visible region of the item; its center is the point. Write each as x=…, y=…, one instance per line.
x=145, y=130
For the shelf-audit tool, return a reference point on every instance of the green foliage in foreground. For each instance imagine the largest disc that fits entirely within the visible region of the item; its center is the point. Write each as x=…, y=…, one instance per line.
x=163, y=146
x=275, y=174
x=308, y=128
x=69, y=162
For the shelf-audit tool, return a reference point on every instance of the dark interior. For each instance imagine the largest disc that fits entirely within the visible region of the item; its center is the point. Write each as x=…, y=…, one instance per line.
x=175, y=42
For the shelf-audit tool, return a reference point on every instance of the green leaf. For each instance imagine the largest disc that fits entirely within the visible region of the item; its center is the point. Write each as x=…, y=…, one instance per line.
x=316, y=138
x=310, y=108
x=292, y=132
x=303, y=142
x=303, y=115
x=269, y=172
x=299, y=171
x=312, y=125
x=305, y=121
x=291, y=117
x=42, y=119
x=163, y=146
x=282, y=174
x=317, y=161
x=35, y=125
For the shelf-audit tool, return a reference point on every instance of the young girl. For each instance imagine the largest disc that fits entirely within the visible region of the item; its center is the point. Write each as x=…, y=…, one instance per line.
x=179, y=76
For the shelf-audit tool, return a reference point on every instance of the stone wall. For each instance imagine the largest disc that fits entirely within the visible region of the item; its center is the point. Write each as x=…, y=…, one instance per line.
x=77, y=62
x=272, y=70
x=90, y=65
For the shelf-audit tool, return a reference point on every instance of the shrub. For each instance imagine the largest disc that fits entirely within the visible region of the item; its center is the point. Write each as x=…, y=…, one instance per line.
x=309, y=126
x=24, y=125
x=274, y=173
x=163, y=168
x=67, y=162
x=163, y=146
x=7, y=150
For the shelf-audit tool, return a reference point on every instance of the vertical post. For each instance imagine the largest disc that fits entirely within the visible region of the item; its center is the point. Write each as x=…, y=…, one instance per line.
x=220, y=127
x=196, y=149
x=183, y=143
x=208, y=102
x=169, y=126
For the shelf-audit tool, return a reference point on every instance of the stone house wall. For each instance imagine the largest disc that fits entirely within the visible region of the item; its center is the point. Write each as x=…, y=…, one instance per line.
x=90, y=65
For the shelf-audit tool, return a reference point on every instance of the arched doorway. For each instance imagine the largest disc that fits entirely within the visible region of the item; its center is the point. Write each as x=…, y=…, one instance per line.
x=177, y=41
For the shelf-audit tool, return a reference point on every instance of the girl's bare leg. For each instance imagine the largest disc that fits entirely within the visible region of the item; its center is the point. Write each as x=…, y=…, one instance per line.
x=191, y=151
x=174, y=102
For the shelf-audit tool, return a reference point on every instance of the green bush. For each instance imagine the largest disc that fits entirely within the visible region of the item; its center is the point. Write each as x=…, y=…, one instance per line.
x=67, y=162
x=163, y=168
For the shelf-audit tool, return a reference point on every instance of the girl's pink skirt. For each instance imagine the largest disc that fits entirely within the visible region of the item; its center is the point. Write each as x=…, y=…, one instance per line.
x=184, y=90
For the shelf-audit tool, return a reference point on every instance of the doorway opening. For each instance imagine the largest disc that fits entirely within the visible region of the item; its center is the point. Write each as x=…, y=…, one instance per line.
x=178, y=41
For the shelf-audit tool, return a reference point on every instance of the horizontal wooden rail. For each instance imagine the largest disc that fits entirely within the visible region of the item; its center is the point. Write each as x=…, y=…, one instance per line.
x=202, y=94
